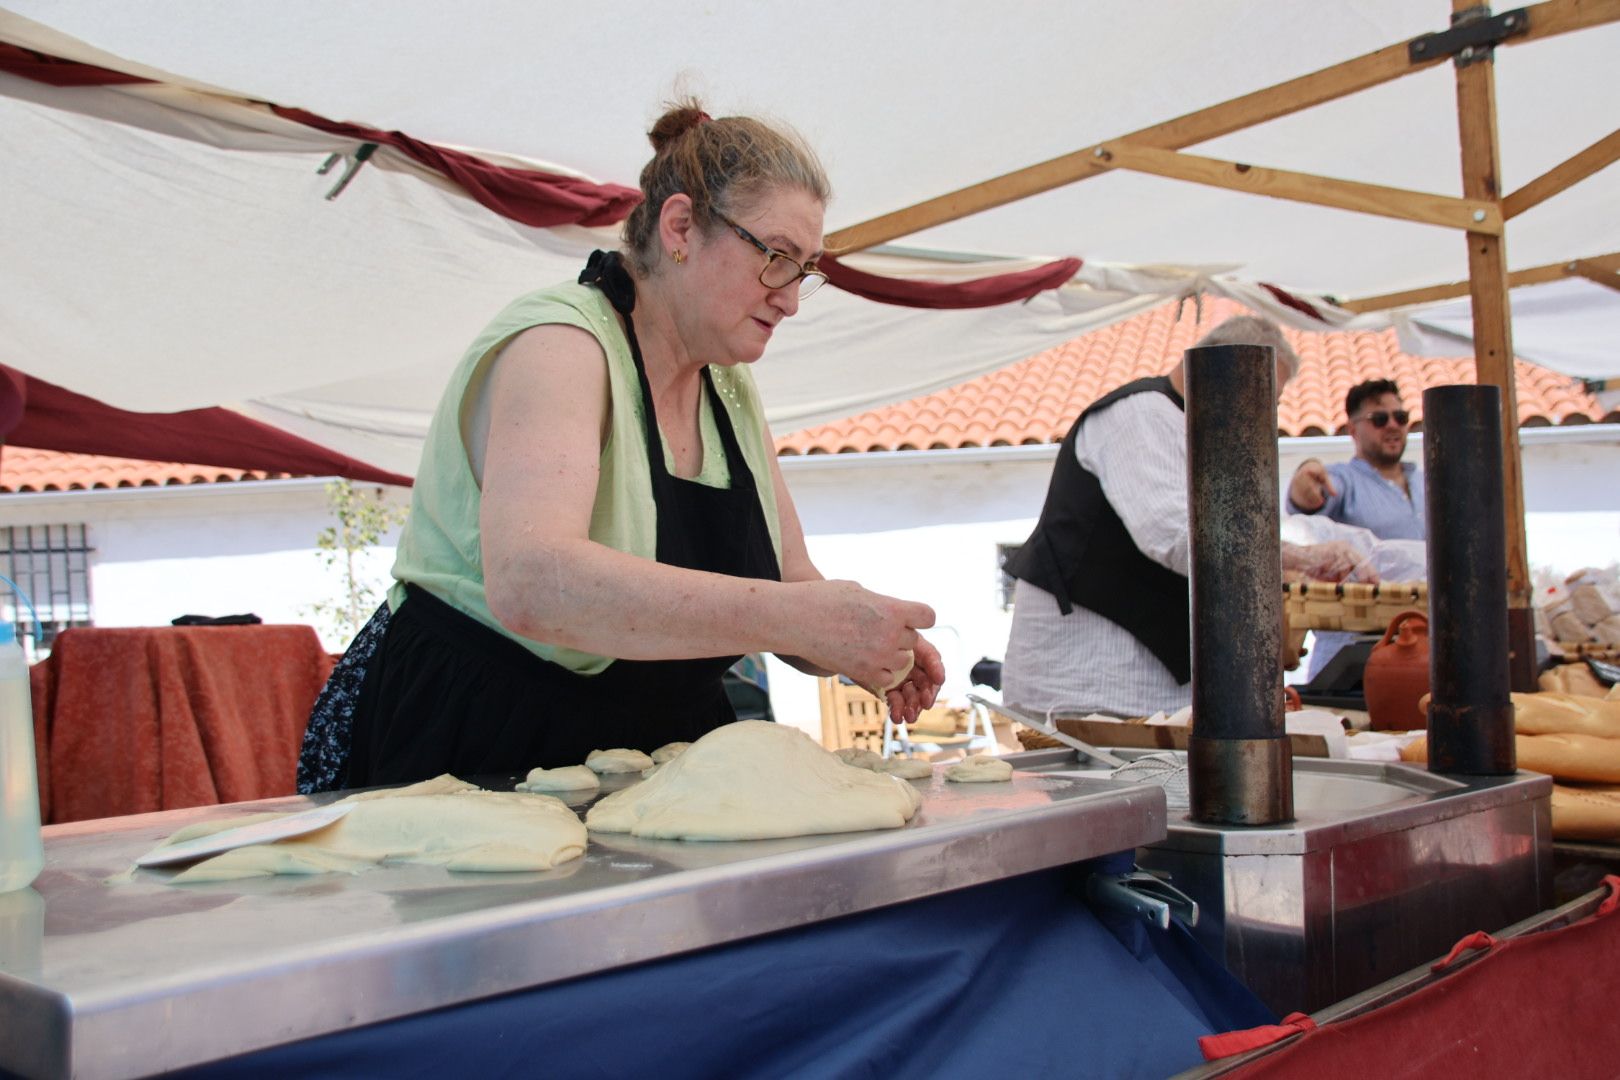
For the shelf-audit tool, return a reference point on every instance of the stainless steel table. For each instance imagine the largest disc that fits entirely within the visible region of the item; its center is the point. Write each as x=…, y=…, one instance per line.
x=120, y=979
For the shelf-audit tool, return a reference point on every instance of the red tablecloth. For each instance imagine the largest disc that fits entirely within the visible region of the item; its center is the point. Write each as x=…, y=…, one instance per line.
x=128, y=721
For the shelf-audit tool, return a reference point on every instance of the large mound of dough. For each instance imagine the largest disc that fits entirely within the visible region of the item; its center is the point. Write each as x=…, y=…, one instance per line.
x=755, y=780
x=458, y=828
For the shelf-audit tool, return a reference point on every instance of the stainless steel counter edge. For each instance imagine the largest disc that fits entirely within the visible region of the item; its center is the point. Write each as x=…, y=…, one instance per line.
x=408, y=969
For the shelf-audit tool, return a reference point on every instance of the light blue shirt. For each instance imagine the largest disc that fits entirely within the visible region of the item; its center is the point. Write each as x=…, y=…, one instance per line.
x=1366, y=499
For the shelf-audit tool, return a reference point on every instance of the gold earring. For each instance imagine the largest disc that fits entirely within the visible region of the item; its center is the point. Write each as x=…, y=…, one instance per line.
x=678, y=255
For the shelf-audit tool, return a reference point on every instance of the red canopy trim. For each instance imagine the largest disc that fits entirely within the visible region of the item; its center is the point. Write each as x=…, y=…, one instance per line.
x=1288, y=299
x=38, y=414
x=980, y=292
x=524, y=195
x=55, y=71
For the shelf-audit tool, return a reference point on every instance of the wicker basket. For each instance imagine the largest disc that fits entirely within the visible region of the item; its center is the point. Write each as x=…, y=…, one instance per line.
x=1324, y=605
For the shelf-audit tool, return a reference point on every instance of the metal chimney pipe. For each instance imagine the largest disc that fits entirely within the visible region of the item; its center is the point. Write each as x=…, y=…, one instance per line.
x=1240, y=764
x=1470, y=712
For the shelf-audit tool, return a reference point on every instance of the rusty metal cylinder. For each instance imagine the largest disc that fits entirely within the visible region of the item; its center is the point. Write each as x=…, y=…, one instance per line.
x=1470, y=712
x=1240, y=769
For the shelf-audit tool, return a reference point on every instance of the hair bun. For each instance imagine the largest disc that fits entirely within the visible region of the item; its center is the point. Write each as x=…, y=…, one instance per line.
x=676, y=122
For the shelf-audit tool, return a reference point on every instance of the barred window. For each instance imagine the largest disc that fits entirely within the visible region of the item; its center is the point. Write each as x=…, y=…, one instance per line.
x=51, y=563
x=1005, y=582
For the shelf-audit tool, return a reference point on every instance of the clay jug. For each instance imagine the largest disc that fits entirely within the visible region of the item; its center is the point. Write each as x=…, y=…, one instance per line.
x=1397, y=675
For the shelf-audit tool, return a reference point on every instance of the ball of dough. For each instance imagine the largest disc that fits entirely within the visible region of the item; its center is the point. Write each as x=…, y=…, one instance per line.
x=979, y=770
x=617, y=761
x=900, y=675
x=861, y=759
x=907, y=768
x=668, y=752
x=567, y=778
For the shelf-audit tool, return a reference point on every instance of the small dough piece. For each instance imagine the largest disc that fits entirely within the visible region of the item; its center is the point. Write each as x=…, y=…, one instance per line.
x=669, y=752
x=900, y=676
x=755, y=780
x=860, y=759
x=567, y=778
x=907, y=768
x=621, y=760
x=979, y=770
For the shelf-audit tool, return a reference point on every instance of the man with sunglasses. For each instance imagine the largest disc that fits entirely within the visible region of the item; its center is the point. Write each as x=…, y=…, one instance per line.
x=1375, y=490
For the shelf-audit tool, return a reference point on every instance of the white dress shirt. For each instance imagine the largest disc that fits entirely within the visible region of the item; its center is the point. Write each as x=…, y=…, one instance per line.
x=1137, y=449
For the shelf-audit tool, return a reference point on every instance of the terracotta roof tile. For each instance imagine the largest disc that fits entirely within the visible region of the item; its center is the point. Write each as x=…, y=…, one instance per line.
x=25, y=469
x=1036, y=399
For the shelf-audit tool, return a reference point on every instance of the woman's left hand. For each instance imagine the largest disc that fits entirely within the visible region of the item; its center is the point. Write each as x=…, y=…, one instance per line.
x=920, y=687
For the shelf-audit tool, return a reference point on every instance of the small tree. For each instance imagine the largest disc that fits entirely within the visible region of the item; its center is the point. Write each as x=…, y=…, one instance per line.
x=363, y=519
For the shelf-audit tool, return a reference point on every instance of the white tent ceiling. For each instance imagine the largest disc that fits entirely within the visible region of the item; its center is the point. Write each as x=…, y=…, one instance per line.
x=157, y=261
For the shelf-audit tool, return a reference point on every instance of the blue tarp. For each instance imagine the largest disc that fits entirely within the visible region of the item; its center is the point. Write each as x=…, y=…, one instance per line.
x=1017, y=977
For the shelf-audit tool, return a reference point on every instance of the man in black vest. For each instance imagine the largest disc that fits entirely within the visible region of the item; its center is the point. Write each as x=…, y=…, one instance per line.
x=1101, y=616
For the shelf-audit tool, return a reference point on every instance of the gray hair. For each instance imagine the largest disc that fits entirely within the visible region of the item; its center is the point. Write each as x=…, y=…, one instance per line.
x=1253, y=330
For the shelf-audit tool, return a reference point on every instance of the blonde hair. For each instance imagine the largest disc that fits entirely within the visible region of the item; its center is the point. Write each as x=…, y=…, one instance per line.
x=1253, y=330
x=720, y=165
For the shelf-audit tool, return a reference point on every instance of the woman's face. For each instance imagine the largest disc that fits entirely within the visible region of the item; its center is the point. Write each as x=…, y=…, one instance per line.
x=733, y=315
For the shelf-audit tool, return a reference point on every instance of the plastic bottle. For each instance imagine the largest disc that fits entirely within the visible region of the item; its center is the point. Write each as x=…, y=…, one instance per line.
x=22, y=852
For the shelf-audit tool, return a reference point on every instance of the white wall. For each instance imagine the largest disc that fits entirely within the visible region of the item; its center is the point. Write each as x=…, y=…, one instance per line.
x=920, y=525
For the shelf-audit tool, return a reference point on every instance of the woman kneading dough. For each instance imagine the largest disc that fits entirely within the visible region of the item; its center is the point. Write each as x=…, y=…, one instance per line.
x=599, y=527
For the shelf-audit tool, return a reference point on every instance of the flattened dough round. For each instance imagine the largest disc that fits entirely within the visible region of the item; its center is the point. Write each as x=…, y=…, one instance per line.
x=907, y=768
x=979, y=770
x=617, y=761
x=470, y=830
x=567, y=778
x=754, y=780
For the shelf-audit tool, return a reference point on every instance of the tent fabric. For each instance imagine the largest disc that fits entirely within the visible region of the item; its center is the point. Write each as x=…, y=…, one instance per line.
x=1477, y=1020
x=182, y=252
x=37, y=414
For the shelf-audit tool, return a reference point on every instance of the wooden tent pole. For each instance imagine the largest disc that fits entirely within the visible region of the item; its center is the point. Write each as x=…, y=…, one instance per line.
x=1493, y=334
x=1606, y=266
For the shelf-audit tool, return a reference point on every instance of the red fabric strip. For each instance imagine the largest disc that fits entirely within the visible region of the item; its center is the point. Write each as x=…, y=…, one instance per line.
x=524, y=195
x=1288, y=299
x=55, y=71
x=1215, y=1047
x=1479, y=939
x=981, y=292
x=51, y=418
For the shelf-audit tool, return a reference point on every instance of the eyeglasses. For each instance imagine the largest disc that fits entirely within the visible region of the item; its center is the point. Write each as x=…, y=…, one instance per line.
x=780, y=270
x=1380, y=418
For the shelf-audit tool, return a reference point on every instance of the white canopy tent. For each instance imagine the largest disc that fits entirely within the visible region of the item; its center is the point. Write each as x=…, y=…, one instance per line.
x=173, y=248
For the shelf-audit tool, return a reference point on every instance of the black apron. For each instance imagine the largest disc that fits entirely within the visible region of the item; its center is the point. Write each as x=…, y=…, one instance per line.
x=445, y=693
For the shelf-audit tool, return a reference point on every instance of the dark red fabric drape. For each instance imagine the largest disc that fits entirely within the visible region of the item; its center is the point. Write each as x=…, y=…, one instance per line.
x=980, y=292
x=41, y=415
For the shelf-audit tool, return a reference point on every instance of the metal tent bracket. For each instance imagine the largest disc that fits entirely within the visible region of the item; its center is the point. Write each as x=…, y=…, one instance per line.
x=1150, y=898
x=1473, y=36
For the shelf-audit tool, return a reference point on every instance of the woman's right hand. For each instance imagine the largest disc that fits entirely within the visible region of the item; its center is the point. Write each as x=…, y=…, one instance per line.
x=852, y=631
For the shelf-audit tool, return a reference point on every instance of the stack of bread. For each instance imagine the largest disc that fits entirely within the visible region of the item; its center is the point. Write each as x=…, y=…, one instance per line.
x=1575, y=739
x=1585, y=609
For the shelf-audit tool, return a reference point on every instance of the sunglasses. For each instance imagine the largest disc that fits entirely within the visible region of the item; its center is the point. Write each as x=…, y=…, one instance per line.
x=1380, y=418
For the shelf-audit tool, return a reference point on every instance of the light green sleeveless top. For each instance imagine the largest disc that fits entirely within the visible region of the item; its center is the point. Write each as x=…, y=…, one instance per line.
x=441, y=549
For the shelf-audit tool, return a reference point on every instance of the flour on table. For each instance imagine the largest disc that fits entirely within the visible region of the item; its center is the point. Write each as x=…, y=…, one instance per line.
x=567, y=778
x=755, y=780
x=617, y=761
x=979, y=770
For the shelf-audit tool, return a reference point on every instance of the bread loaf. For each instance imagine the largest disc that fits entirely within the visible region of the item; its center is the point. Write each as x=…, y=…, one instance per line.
x=1587, y=758
x=1576, y=714
x=1585, y=813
